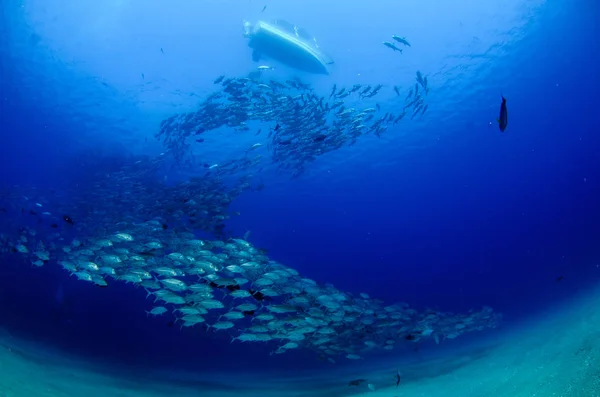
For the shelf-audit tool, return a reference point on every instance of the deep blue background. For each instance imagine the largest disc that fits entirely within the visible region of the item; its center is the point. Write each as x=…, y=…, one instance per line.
x=480, y=218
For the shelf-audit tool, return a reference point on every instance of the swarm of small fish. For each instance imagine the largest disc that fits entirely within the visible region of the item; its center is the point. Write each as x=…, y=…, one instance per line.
x=302, y=124
x=130, y=227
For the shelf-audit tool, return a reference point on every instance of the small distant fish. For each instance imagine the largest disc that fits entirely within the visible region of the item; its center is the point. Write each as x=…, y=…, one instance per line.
x=397, y=378
x=503, y=118
x=200, y=140
x=161, y=50
x=401, y=40
x=355, y=88
x=157, y=311
x=264, y=8
x=143, y=77
x=371, y=386
x=320, y=138
x=247, y=235
x=265, y=67
x=559, y=279
x=397, y=90
x=68, y=219
x=356, y=382
x=392, y=46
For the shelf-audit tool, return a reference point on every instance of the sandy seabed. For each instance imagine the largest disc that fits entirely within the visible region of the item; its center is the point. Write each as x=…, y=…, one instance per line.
x=557, y=354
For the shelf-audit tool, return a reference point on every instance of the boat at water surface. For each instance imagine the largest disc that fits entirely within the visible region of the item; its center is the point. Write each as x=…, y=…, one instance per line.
x=288, y=44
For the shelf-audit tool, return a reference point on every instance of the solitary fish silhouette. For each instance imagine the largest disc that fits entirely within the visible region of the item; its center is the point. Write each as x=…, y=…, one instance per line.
x=503, y=119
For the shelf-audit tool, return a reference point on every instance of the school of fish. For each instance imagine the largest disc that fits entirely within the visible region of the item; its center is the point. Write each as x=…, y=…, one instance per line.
x=123, y=223
x=300, y=124
x=122, y=234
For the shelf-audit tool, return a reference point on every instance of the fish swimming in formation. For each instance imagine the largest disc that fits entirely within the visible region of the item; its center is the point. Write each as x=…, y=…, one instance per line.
x=503, y=118
x=310, y=124
x=143, y=231
x=235, y=279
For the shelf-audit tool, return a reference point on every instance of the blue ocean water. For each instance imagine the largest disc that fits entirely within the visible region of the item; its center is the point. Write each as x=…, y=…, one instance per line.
x=443, y=211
